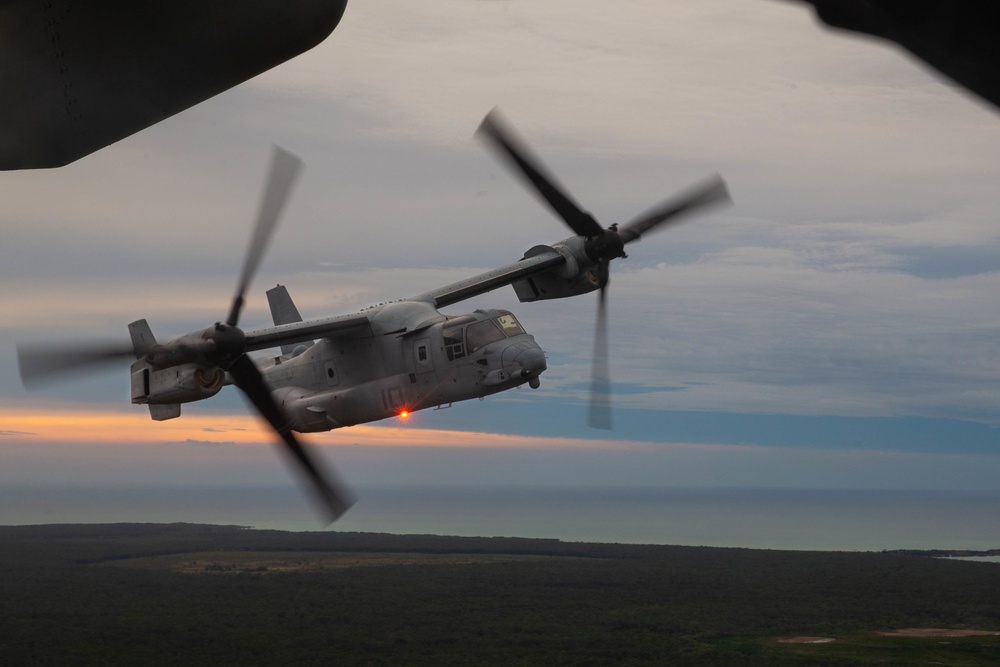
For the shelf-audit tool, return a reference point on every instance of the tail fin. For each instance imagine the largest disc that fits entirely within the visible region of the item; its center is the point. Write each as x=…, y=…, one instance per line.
x=283, y=311
x=142, y=337
x=142, y=340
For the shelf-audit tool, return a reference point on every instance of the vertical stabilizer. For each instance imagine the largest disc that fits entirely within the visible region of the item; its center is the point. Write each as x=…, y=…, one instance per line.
x=142, y=337
x=283, y=311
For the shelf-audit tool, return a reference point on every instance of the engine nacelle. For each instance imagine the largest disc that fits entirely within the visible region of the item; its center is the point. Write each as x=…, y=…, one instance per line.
x=576, y=276
x=177, y=384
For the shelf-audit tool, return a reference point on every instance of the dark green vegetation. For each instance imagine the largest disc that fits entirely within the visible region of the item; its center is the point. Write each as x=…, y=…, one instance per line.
x=190, y=594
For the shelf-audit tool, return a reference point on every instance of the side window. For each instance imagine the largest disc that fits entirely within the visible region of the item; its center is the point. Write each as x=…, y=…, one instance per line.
x=422, y=353
x=330, y=373
x=482, y=333
x=453, y=343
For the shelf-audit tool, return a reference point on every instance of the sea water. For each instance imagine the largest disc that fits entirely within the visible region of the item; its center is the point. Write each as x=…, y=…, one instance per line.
x=800, y=519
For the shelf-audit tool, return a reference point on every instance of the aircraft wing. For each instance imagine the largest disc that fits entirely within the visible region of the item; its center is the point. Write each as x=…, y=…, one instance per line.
x=75, y=77
x=359, y=325
x=299, y=332
x=545, y=260
x=959, y=39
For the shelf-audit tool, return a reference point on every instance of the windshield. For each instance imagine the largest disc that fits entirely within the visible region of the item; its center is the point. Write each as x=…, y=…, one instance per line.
x=482, y=333
x=479, y=335
x=510, y=325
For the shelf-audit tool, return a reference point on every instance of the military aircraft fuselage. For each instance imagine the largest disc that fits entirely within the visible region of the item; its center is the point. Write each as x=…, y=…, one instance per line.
x=410, y=357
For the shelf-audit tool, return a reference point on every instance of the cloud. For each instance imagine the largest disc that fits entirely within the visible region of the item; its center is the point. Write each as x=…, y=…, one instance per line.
x=853, y=276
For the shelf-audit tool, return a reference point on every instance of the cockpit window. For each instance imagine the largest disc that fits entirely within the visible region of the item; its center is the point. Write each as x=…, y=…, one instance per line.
x=510, y=325
x=480, y=334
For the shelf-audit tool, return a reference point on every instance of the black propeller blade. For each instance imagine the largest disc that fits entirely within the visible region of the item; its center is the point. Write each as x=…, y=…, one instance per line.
x=285, y=168
x=599, y=410
x=712, y=191
x=601, y=245
x=39, y=364
x=501, y=136
x=332, y=494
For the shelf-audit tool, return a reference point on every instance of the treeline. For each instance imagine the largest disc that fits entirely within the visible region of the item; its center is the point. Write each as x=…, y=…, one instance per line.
x=70, y=594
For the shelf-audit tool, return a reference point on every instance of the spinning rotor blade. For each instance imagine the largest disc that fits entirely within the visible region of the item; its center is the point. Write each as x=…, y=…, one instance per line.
x=601, y=246
x=712, y=191
x=501, y=136
x=285, y=169
x=334, y=496
x=599, y=412
x=222, y=346
x=39, y=364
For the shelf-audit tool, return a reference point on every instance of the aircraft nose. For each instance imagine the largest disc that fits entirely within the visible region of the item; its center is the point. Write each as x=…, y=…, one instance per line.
x=532, y=361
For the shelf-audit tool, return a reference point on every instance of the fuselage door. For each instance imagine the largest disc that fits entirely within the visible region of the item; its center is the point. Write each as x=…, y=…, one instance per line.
x=422, y=360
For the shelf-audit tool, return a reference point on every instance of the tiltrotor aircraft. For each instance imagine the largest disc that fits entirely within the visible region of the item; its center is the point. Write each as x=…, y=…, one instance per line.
x=389, y=359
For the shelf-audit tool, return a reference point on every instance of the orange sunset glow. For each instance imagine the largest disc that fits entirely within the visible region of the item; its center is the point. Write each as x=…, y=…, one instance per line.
x=75, y=425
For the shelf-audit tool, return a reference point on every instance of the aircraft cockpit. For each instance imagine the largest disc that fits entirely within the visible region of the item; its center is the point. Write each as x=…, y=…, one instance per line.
x=466, y=334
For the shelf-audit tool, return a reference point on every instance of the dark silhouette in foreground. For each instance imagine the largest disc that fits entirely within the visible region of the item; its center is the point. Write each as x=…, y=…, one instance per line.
x=959, y=39
x=75, y=77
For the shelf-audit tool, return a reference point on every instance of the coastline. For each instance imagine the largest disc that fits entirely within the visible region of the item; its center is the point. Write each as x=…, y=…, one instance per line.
x=953, y=522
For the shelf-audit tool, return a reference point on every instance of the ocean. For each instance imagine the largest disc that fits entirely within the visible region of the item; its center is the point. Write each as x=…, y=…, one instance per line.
x=797, y=519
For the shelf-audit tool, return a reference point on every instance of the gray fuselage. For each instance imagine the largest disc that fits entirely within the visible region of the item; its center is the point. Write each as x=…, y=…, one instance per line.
x=411, y=358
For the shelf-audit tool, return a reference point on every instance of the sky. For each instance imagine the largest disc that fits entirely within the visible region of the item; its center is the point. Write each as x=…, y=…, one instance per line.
x=836, y=327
